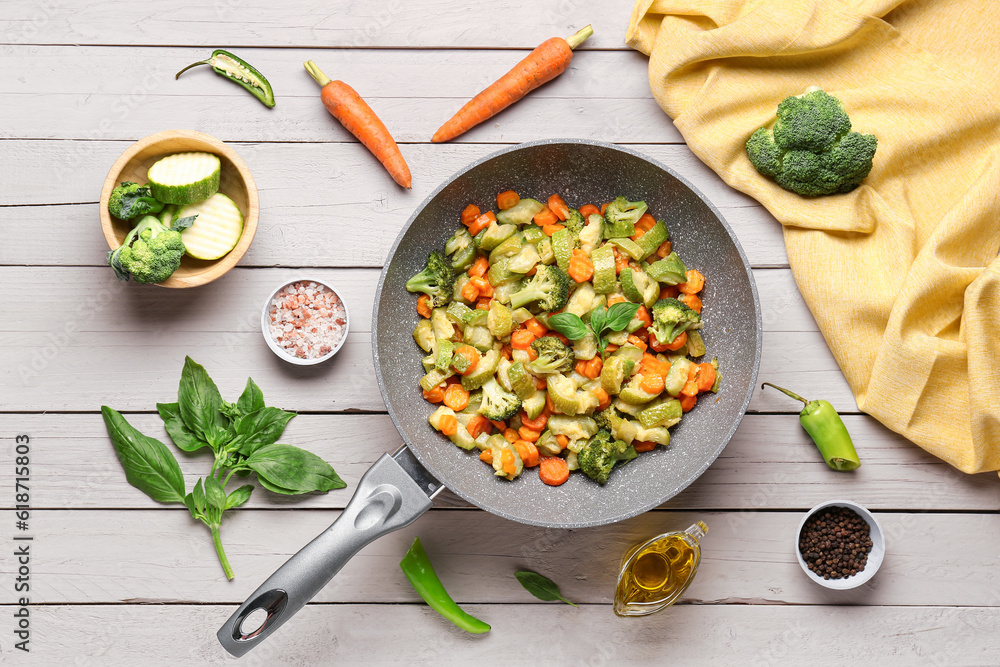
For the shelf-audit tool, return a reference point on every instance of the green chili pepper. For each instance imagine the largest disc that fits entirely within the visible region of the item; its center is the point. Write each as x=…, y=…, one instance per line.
x=238, y=71
x=827, y=430
x=418, y=569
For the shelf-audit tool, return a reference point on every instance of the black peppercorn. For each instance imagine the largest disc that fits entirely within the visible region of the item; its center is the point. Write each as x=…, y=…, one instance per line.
x=835, y=543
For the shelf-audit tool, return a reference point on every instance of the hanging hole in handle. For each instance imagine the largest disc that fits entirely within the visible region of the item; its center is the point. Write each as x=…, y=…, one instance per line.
x=253, y=622
x=258, y=614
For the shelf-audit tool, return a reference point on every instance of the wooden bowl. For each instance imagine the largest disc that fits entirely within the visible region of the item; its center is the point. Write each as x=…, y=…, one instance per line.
x=236, y=183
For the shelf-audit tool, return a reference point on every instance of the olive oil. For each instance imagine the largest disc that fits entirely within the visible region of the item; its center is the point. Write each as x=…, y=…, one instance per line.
x=656, y=572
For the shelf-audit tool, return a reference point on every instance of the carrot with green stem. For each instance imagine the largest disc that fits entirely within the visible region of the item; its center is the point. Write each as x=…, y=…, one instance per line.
x=546, y=62
x=344, y=103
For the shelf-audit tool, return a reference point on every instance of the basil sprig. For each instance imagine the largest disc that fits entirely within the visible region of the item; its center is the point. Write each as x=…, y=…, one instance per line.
x=243, y=438
x=603, y=321
x=541, y=586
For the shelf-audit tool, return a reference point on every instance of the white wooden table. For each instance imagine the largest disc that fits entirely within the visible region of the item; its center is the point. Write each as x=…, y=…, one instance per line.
x=116, y=578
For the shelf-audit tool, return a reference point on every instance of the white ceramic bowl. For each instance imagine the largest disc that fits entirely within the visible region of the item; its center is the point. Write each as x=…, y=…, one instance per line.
x=284, y=355
x=874, y=557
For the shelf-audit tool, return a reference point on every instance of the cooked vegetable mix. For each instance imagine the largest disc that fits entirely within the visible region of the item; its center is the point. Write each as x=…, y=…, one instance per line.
x=560, y=338
x=238, y=71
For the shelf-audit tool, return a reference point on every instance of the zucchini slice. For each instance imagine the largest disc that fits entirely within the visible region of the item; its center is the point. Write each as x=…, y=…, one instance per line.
x=185, y=178
x=215, y=231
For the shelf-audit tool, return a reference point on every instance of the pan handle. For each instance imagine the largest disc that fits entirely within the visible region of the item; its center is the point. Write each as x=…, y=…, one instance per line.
x=387, y=499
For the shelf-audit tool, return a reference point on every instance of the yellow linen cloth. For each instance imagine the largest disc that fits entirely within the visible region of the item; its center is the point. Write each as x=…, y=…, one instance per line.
x=902, y=273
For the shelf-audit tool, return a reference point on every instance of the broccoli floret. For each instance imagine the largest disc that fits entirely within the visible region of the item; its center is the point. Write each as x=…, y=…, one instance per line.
x=149, y=254
x=553, y=356
x=574, y=223
x=671, y=317
x=600, y=455
x=811, y=150
x=498, y=404
x=436, y=280
x=603, y=418
x=549, y=287
x=130, y=200
x=621, y=216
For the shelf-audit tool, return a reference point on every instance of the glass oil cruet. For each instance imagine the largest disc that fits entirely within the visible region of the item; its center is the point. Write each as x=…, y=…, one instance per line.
x=658, y=571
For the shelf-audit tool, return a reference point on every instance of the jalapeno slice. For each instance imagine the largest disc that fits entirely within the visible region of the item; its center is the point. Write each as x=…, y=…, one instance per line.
x=238, y=71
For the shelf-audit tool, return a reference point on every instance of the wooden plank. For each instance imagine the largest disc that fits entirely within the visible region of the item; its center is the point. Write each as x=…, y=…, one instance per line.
x=390, y=634
x=120, y=93
x=353, y=24
x=123, y=345
x=769, y=464
x=160, y=556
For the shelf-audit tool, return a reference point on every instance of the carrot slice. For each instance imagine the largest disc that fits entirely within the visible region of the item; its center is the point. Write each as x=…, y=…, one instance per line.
x=559, y=207
x=588, y=210
x=553, y=470
x=456, y=397
x=424, y=306
x=507, y=199
x=528, y=453
x=695, y=282
x=469, y=214
x=644, y=446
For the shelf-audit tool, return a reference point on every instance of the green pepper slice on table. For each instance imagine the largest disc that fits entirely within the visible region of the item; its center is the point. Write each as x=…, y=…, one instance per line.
x=418, y=569
x=238, y=71
x=826, y=428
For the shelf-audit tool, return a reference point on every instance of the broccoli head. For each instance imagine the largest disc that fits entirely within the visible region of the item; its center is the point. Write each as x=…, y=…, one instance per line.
x=671, y=317
x=130, y=200
x=436, y=280
x=811, y=150
x=621, y=216
x=149, y=254
x=549, y=287
x=553, y=356
x=574, y=223
x=498, y=404
x=600, y=455
x=603, y=418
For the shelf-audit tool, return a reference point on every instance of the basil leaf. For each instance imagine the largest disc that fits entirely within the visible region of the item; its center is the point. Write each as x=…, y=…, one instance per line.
x=260, y=428
x=183, y=223
x=200, y=404
x=252, y=398
x=620, y=314
x=149, y=465
x=198, y=496
x=568, y=325
x=215, y=495
x=189, y=503
x=180, y=434
x=290, y=470
x=597, y=320
x=239, y=497
x=540, y=586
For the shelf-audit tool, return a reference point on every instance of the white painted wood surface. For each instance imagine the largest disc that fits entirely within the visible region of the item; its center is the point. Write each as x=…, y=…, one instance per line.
x=118, y=579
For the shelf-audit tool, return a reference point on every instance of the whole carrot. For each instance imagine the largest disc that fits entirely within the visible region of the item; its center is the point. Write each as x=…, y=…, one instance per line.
x=546, y=62
x=344, y=103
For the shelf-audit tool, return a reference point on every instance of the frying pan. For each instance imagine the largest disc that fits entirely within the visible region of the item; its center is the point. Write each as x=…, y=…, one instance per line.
x=398, y=488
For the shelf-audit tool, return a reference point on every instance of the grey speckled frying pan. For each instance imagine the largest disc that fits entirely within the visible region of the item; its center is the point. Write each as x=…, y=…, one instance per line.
x=399, y=488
